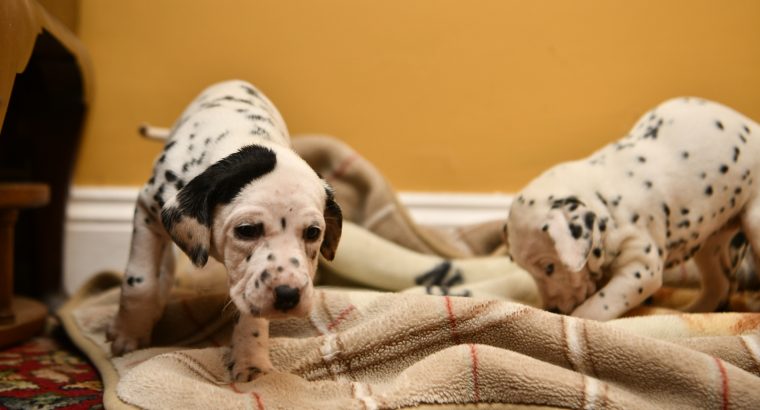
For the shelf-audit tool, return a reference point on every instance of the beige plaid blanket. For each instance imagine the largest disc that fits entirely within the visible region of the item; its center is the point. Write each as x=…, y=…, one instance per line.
x=422, y=345
x=372, y=350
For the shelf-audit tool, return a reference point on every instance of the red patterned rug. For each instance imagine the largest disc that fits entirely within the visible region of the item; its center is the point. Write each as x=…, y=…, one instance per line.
x=47, y=372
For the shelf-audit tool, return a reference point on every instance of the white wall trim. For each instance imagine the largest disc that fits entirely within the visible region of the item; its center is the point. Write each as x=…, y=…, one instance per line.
x=99, y=223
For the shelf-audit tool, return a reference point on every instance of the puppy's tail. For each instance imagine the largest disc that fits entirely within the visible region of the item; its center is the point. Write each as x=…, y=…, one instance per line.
x=154, y=133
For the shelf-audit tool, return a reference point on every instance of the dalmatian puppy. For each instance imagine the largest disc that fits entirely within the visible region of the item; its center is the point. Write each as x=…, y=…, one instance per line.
x=228, y=186
x=597, y=233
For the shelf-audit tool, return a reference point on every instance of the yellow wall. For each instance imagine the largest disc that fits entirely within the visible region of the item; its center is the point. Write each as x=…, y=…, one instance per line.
x=441, y=95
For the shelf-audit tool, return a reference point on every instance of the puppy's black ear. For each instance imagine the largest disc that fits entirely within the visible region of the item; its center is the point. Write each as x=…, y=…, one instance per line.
x=188, y=232
x=333, y=225
x=188, y=216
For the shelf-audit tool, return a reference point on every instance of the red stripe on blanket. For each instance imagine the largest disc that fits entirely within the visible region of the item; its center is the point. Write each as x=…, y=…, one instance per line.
x=452, y=320
x=259, y=402
x=724, y=382
x=475, y=386
x=341, y=317
x=343, y=166
x=195, y=321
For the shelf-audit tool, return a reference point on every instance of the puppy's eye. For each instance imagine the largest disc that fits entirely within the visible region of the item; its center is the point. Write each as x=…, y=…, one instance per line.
x=549, y=269
x=311, y=233
x=249, y=232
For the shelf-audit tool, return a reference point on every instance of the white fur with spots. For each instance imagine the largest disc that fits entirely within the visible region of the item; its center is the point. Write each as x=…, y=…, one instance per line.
x=267, y=229
x=597, y=233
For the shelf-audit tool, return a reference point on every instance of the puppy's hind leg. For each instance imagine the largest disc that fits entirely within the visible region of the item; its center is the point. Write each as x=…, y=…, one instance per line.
x=716, y=263
x=141, y=302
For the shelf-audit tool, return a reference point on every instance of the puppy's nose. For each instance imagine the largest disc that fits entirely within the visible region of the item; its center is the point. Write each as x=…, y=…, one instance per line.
x=286, y=297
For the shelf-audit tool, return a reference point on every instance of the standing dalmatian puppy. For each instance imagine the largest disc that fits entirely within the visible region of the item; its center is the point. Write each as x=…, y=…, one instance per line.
x=227, y=185
x=597, y=233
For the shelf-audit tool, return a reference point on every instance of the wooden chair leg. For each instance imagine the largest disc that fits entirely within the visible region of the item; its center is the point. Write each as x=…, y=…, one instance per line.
x=20, y=317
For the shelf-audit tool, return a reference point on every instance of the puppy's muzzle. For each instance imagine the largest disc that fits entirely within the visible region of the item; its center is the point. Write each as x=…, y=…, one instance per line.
x=286, y=297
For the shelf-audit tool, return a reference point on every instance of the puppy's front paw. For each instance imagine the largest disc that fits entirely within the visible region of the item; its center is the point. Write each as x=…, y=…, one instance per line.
x=249, y=369
x=127, y=335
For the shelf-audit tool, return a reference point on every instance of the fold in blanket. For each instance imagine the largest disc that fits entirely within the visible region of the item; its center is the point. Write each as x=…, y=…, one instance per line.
x=368, y=200
x=425, y=345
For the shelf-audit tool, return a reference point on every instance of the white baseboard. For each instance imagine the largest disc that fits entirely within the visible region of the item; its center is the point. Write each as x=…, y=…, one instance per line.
x=99, y=223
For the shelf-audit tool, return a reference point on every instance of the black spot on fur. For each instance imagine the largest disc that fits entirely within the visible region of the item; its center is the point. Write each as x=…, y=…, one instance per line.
x=684, y=211
x=597, y=252
x=283, y=222
x=723, y=168
x=169, y=145
x=709, y=190
x=575, y=230
x=637, y=275
x=603, y=224
x=736, y=153
x=248, y=258
x=132, y=280
x=222, y=181
x=573, y=201
x=648, y=184
x=641, y=290
x=255, y=333
x=652, y=131
x=179, y=184
x=634, y=218
x=601, y=198
x=265, y=275
x=719, y=125
x=685, y=155
x=295, y=262
x=684, y=224
x=588, y=219
x=648, y=249
x=270, y=257
x=545, y=228
x=666, y=209
x=641, y=159
x=170, y=176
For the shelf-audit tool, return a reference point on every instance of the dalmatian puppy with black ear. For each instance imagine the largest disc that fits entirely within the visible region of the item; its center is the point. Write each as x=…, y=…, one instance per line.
x=597, y=233
x=227, y=185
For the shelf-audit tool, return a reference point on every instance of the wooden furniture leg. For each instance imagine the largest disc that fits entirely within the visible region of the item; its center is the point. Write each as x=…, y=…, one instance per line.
x=20, y=317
